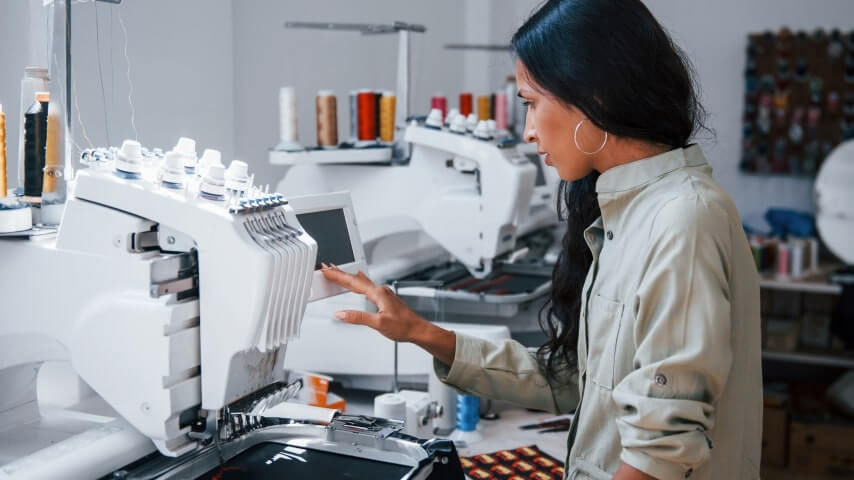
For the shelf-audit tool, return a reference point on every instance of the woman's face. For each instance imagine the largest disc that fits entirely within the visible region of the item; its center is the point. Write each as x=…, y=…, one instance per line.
x=551, y=124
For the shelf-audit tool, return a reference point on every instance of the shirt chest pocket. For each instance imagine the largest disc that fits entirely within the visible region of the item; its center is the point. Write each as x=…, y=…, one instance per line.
x=604, y=318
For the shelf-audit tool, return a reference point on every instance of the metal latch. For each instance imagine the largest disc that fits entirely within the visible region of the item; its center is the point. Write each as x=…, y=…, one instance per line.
x=141, y=241
x=173, y=286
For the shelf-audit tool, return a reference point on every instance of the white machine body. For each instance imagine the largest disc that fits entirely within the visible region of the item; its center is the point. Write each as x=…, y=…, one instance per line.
x=461, y=195
x=457, y=198
x=168, y=305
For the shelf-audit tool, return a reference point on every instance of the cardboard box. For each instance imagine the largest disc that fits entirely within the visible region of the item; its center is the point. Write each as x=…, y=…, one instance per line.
x=775, y=425
x=781, y=334
x=815, y=330
x=822, y=448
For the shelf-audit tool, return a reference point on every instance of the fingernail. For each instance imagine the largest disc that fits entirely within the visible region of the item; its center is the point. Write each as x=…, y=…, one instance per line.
x=340, y=315
x=324, y=265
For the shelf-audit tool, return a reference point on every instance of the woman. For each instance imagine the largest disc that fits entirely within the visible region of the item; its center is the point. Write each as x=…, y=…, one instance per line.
x=657, y=347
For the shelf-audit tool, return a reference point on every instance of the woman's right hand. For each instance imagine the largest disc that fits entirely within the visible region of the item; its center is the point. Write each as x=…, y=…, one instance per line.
x=394, y=319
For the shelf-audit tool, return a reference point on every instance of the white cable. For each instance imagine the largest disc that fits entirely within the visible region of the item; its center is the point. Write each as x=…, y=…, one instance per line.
x=130, y=82
x=62, y=96
x=112, y=64
x=413, y=75
x=101, y=72
x=77, y=107
x=47, y=32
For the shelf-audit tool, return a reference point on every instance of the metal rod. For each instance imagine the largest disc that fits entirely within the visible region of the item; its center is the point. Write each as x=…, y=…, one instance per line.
x=474, y=46
x=67, y=68
x=403, y=83
x=395, y=385
x=366, y=28
x=328, y=26
x=396, y=285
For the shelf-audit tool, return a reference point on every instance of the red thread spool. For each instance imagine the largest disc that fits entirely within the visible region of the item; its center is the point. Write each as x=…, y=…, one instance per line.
x=466, y=104
x=440, y=102
x=367, y=115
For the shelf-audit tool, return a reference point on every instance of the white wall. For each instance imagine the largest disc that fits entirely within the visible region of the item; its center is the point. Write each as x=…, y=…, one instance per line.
x=714, y=35
x=211, y=69
x=181, y=68
x=14, y=19
x=267, y=56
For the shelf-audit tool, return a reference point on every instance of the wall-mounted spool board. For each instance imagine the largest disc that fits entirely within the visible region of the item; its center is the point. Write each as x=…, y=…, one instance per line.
x=799, y=100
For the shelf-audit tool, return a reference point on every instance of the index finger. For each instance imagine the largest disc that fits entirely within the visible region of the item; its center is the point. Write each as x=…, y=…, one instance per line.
x=355, y=283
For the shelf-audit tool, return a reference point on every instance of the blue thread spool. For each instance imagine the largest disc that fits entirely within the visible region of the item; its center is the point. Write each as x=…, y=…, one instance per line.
x=468, y=412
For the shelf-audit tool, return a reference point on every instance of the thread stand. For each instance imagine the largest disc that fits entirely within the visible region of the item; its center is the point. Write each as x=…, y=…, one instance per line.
x=376, y=155
x=402, y=29
x=289, y=147
x=15, y=216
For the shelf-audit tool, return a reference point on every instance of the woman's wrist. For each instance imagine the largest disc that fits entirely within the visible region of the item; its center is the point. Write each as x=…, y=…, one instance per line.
x=421, y=330
x=437, y=341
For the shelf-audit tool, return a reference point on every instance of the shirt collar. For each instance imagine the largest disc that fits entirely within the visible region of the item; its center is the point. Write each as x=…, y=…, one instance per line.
x=634, y=174
x=593, y=236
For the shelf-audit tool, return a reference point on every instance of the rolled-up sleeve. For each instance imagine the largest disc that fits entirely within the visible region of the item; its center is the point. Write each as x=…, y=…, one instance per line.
x=505, y=370
x=682, y=335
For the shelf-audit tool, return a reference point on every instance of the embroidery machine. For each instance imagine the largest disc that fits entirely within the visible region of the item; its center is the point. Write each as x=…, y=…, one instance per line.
x=172, y=289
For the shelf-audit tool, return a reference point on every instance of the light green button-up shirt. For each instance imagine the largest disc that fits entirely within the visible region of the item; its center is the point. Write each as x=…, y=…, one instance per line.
x=669, y=356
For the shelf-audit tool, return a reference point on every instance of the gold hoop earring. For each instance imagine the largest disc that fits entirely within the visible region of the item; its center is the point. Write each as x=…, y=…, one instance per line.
x=575, y=139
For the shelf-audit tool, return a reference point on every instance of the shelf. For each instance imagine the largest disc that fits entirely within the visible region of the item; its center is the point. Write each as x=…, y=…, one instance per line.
x=813, y=282
x=374, y=154
x=782, y=473
x=810, y=358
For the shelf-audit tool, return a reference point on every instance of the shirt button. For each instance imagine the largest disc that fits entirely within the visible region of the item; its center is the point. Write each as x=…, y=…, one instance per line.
x=610, y=235
x=661, y=379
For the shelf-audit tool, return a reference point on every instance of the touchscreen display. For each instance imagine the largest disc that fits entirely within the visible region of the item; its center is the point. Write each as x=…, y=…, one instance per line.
x=329, y=229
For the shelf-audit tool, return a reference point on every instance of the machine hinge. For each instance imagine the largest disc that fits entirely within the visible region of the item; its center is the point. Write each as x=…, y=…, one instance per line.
x=141, y=241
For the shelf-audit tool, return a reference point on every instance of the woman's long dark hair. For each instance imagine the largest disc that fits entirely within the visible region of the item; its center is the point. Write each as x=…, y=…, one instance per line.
x=612, y=60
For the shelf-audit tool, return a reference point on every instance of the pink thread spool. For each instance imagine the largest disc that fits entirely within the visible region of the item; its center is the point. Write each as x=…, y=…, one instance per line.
x=501, y=111
x=441, y=102
x=783, y=260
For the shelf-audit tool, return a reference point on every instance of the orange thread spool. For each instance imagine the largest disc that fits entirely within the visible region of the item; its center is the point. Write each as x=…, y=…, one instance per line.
x=51, y=153
x=465, y=104
x=387, y=107
x=367, y=115
x=484, y=107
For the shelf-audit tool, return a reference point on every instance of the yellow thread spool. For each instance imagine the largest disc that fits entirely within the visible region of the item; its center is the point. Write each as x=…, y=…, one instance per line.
x=3, y=186
x=388, y=103
x=484, y=107
x=51, y=153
